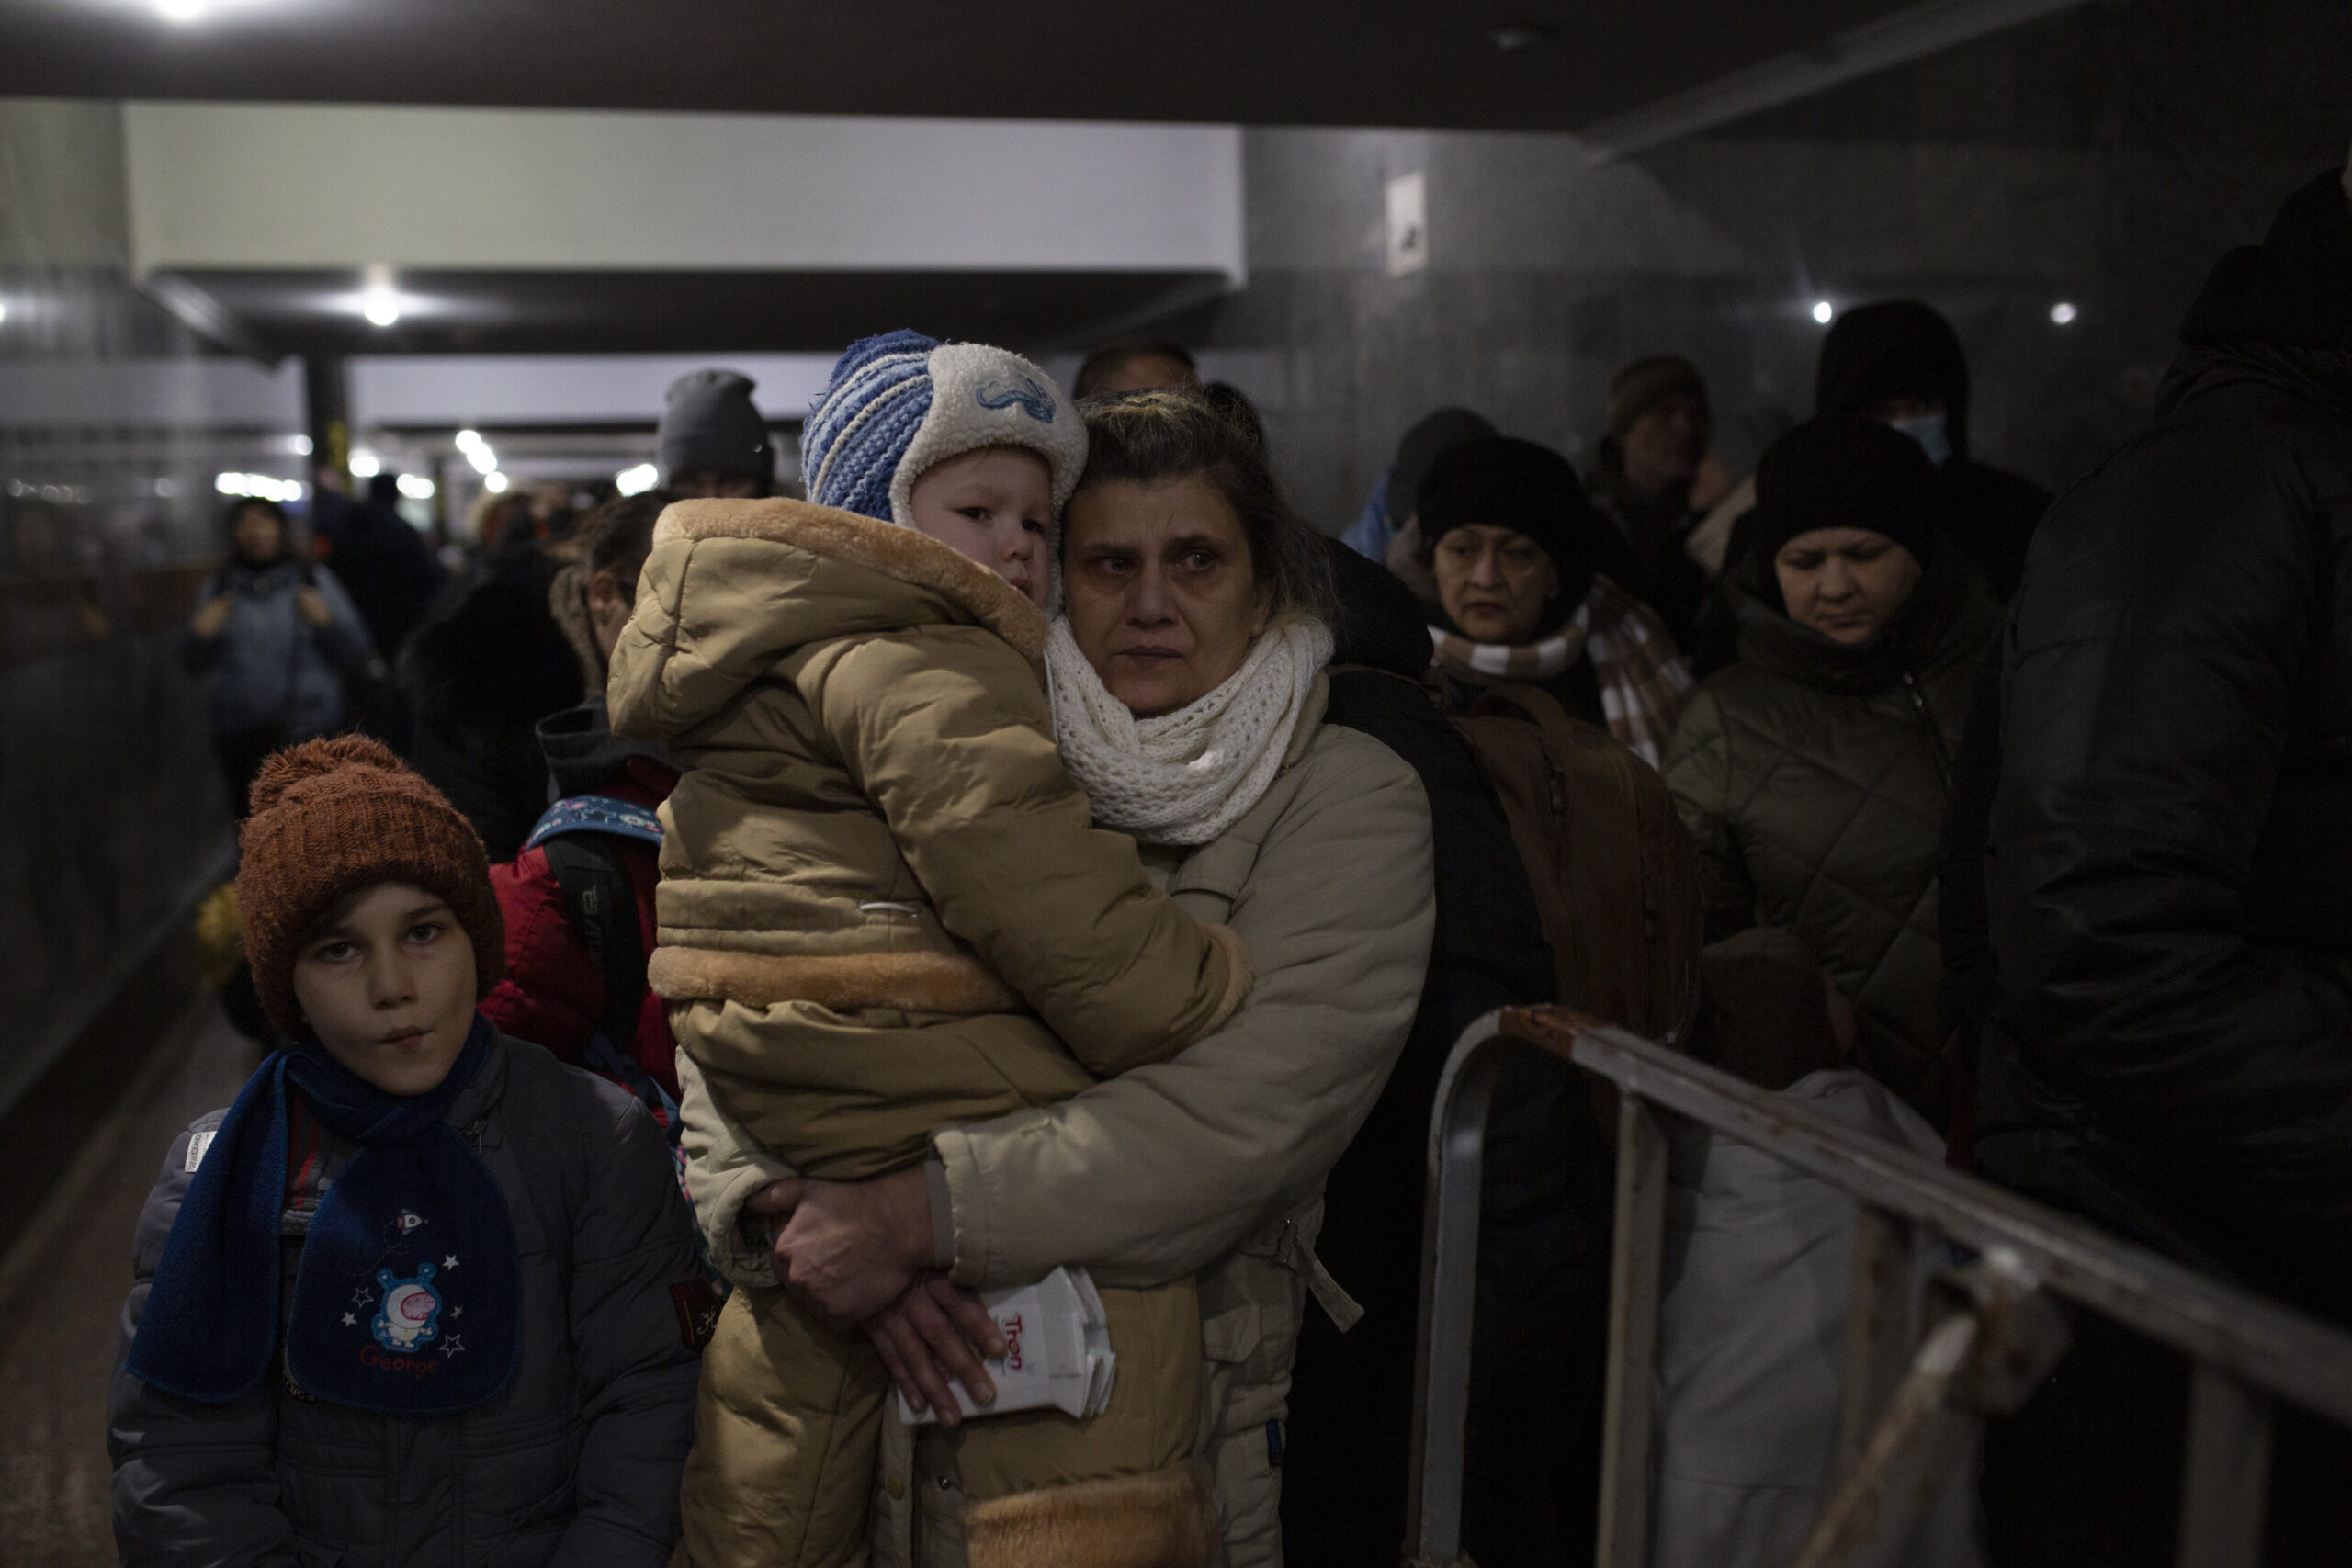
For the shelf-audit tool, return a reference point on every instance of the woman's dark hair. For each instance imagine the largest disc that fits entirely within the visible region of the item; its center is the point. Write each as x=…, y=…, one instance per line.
x=1148, y=439
x=619, y=535
x=1105, y=362
x=239, y=505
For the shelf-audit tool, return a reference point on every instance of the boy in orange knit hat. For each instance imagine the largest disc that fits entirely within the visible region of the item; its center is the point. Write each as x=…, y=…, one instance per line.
x=422, y=1293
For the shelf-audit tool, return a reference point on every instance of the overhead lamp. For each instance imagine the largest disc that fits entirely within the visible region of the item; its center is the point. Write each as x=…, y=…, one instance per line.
x=2063, y=313
x=379, y=301
x=469, y=439
x=484, y=460
x=1823, y=310
x=637, y=480
x=299, y=445
x=365, y=465
x=416, y=486
x=494, y=482
x=183, y=12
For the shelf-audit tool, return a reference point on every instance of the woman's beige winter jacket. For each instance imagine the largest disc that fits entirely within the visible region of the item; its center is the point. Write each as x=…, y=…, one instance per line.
x=874, y=855
x=1212, y=1163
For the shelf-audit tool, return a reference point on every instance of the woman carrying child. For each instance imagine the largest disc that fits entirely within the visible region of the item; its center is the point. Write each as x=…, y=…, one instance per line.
x=1187, y=693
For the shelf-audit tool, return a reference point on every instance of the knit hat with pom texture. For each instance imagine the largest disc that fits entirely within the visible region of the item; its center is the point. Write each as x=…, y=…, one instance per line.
x=335, y=817
x=901, y=402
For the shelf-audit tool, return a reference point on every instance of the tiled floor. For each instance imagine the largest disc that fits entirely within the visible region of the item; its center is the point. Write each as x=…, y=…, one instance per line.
x=61, y=1301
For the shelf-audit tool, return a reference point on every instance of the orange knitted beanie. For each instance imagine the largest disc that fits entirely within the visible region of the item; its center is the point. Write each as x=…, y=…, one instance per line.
x=335, y=817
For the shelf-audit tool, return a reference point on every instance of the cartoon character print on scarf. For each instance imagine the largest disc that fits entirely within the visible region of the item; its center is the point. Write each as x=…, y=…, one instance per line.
x=403, y=1336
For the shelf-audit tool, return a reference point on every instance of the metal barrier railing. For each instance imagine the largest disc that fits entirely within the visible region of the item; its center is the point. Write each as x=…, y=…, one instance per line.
x=1912, y=1401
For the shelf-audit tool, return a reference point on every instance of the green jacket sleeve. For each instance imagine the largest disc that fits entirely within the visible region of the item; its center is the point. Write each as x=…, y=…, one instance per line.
x=1158, y=1172
x=944, y=729
x=1698, y=775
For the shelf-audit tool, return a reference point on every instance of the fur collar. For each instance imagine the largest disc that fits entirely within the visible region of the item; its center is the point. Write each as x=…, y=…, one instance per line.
x=898, y=553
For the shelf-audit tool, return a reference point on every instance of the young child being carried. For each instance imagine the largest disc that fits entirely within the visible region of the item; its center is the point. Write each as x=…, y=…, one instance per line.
x=884, y=913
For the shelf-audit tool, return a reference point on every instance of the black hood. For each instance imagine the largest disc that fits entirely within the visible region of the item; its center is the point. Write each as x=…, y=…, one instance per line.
x=1893, y=348
x=1381, y=622
x=584, y=754
x=2294, y=290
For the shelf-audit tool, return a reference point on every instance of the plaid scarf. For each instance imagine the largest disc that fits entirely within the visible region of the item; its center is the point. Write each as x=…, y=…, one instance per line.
x=1643, y=680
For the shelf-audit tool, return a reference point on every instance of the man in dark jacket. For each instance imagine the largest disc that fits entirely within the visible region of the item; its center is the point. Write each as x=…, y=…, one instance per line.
x=387, y=566
x=1898, y=361
x=2168, y=877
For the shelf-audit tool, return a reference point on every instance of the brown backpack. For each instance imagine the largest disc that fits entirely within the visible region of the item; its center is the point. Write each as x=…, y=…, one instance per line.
x=1614, y=871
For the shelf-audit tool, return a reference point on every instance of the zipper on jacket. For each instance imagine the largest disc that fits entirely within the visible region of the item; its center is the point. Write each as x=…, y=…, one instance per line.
x=1927, y=722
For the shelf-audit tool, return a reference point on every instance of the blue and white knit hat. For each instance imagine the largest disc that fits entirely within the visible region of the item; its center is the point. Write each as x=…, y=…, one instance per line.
x=899, y=403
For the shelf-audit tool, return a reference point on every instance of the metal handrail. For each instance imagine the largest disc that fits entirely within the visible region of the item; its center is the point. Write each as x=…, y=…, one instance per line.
x=2246, y=1351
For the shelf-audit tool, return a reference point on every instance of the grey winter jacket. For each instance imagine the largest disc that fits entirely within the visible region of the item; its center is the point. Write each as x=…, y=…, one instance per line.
x=576, y=1463
x=268, y=666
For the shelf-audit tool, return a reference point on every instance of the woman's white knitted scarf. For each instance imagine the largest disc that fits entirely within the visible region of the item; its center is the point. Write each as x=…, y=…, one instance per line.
x=1186, y=776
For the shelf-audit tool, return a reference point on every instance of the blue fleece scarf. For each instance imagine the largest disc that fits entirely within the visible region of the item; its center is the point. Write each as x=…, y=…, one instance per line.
x=408, y=1298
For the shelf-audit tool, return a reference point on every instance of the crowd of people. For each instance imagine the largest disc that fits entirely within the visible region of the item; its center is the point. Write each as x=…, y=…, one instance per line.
x=768, y=928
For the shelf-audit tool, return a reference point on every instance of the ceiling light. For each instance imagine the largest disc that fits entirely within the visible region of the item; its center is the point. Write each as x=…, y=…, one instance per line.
x=180, y=11
x=416, y=486
x=494, y=482
x=468, y=438
x=365, y=465
x=1823, y=310
x=2063, y=313
x=1515, y=36
x=299, y=445
x=379, y=301
x=484, y=460
x=637, y=480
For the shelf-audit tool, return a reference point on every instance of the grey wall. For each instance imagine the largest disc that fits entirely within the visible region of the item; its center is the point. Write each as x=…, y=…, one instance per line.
x=111, y=427
x=2104, y=158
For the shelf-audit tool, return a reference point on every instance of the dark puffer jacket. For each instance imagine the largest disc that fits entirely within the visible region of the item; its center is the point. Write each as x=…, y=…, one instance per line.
x=1813, y=776
x=577, y=1464
x=2169, y=878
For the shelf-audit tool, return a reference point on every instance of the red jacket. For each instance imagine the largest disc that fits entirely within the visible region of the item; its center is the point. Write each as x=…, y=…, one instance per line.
x=552, y=994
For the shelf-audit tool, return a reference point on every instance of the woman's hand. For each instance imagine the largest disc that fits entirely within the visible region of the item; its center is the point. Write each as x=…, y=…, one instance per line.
x=313, y=607
x=853, y=1247
x=936, y=1331
x=212, y=618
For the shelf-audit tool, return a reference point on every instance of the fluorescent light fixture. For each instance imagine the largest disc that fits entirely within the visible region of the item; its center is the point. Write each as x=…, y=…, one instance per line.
x=2063, y=313
x=365, y=465
x=494, y=482
x=1823, y=310
x=416, y=486
x=262, y=487
x=637, y=480
x=181, y=11
x=484, y=460
x=469, y=439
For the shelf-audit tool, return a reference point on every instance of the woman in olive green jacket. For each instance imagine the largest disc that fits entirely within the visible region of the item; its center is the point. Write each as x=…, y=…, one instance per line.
x=1812, y=771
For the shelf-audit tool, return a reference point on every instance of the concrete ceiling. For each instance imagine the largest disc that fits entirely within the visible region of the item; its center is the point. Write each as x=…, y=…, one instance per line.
x=689, y=312
x=1524, y=64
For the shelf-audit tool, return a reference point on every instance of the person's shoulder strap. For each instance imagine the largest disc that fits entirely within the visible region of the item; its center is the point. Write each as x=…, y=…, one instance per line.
x=601, y=902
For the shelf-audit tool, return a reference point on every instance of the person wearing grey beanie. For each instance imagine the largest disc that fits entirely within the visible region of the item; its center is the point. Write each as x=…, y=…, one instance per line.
x=713, y=441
